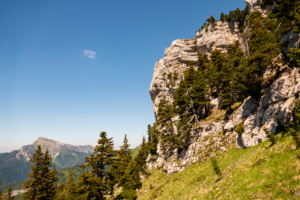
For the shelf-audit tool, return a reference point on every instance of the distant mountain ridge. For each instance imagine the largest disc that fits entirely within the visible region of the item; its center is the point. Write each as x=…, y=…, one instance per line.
x=53, y=146
x=14, y=165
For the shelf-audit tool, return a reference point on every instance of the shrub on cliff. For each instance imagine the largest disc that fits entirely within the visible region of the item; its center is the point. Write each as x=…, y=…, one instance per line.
x=240, y=129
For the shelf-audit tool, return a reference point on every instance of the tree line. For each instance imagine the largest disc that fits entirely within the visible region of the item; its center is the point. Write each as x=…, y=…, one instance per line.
x=97, y=184
x=233, y=16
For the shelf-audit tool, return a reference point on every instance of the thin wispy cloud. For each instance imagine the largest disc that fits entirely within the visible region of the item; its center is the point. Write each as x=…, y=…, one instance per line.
x=89, y=54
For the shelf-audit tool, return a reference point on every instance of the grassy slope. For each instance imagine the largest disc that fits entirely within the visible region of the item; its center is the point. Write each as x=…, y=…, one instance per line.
x=260, y=172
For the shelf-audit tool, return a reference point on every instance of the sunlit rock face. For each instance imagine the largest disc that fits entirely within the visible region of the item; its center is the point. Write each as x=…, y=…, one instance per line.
x=178, y=56
x=255, y=5
x=272, y=111
x=217, y=36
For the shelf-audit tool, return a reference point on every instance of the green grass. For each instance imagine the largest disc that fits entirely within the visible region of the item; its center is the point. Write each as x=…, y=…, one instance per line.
x=260, y=172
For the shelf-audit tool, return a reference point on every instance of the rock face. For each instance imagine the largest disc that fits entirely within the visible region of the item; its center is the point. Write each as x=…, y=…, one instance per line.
x=293, y=40
x=217, y=36
x=271, y=112
x=255, y=5
x=184, y=52
x=53, y=146
x=177, y=57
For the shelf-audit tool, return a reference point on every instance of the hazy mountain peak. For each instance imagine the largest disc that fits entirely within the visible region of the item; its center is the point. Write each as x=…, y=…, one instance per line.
x=53, y=146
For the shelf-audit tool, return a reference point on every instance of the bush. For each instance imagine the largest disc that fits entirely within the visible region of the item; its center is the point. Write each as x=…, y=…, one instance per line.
x=295, y=136
x=216, y=167
x=240, y=129
x=128, y=194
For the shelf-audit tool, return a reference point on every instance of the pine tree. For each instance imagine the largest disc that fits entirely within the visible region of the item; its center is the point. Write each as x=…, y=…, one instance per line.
x=222, y=17
x=203, y=26
x=70, y=189
x=88, y=186
x=103, y=156
x=165, y=111
x=211, y=20
x=9, y=194
x=226, y=94
x=118, y=167
x=42, y=179
x=295, y=55
x=152, y=139
x=131, y=181
x=199, y=94
x=142, y=154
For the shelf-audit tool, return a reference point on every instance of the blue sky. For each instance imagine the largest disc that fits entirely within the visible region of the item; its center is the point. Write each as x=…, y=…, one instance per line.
x=70, y=69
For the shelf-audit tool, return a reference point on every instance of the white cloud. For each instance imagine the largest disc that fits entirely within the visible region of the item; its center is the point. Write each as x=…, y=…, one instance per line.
x=89, y=54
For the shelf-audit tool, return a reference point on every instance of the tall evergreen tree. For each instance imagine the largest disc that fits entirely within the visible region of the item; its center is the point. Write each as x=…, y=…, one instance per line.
x=42, y=179
x=88, y=186
x=165, y=111
x=222, y=17
x=118, y=167
x=131, y=181
x=142, y=154
x=9, y=194
x=295, y=55
x=70, y=189
x=103, y=156
x=152, y=139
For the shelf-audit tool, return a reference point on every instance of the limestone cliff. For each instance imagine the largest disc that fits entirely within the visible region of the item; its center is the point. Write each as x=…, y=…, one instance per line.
x=217, y=132
x=184, y=52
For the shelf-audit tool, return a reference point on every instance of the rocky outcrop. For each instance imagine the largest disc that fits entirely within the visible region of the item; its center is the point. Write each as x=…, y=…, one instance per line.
x=273, y=111
x=53, y=146
x=178, y=56
x=292, y=39
x=183, y=53
x=216, y=133
x=217, y=36
x=254, y=5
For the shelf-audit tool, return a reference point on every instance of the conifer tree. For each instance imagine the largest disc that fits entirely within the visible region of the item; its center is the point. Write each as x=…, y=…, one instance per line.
x=118, y=167
x=203, y=26
x=199, y=94
x=70, y=189
x=165, y=111
x=222, y=17
x=142, y=154
x=131, y=181
x=103, y=156
x=295, y=55
x=9, y=194
x=42, y=179
x=202, y=62
x=152, y=139
x=88, y=186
